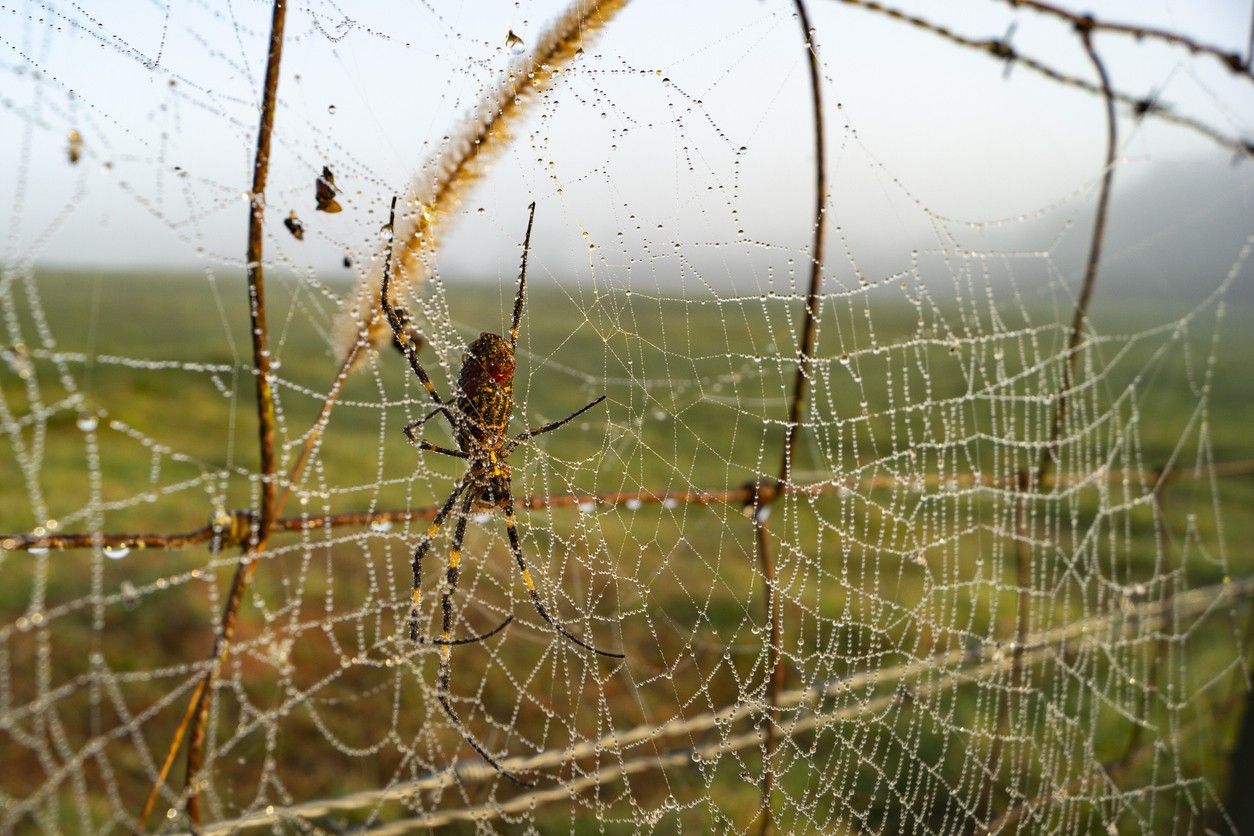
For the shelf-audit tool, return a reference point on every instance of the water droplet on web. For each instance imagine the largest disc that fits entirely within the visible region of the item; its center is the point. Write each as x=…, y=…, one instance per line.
x=37, y=550
x=586, y=507
x=633, y=504
x=381, y=526
x=86, y=423
x=116, y=552
x=331, y=109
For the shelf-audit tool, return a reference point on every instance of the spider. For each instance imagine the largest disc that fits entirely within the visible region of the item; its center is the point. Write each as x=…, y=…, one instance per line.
x=479, y=414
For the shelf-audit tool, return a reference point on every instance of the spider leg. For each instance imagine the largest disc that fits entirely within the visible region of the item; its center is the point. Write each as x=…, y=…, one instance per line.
x=395, y=320
x=454, y=561
x=423, y=545
x=516, y=548
x=552, y=425
x=441, y=694
x=412, y=428
x=522, y=281
x=474, y=639
x=445, y=642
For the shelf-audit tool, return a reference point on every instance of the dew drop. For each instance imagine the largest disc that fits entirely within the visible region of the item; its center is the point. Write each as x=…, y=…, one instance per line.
x=86, y=423
x=381, y=526
x=116, y=552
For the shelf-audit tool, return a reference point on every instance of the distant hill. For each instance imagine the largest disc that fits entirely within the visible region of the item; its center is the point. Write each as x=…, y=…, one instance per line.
x=1174, y=232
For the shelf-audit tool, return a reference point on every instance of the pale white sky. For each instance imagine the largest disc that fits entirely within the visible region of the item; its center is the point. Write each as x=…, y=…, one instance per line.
x=919, y=130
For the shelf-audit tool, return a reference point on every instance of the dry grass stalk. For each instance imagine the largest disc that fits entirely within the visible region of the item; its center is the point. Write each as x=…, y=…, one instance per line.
x=444, y=180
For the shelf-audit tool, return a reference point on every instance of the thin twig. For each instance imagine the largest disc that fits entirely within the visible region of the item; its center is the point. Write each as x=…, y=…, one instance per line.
x=805, y=349
x=1048, y=458
x=1231, y=60
x=810, y=324
x=1048, y=454
x=1004, y=52
x=265, y=421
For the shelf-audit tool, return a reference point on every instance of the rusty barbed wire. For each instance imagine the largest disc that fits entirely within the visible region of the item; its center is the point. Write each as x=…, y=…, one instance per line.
x=233, y=529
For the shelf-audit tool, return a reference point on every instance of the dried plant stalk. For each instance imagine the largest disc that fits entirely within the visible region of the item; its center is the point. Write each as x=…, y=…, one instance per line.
x=444, y=179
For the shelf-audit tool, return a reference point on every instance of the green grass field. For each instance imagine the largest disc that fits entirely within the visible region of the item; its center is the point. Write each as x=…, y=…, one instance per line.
x=319, y=700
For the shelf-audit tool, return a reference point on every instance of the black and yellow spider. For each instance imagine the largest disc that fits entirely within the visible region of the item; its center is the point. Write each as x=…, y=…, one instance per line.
x=479, y=414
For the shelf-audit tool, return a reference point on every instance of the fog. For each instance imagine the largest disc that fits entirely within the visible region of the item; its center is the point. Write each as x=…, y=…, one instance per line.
x=675, y=153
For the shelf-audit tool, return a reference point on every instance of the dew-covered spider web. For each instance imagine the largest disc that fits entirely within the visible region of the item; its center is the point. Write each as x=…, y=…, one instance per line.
x=1003, y=587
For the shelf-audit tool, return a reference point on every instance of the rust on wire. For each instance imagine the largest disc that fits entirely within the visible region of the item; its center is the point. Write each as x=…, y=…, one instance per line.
x=760, y=493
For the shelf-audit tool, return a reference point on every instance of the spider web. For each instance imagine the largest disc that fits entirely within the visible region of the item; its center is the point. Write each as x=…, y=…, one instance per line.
x=961, y=645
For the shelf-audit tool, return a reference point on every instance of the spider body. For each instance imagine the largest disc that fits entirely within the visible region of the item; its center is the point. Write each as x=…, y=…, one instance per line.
x=486, y=392
x=479, y=414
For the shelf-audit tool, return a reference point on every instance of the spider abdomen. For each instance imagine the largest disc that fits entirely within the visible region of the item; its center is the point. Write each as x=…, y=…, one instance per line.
x=486, y=385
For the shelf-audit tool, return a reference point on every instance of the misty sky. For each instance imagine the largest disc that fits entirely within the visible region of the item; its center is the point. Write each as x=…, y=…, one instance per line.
x=636, y=151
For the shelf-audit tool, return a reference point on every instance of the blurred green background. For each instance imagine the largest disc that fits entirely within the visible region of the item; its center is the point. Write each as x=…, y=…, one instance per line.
x=319, y=699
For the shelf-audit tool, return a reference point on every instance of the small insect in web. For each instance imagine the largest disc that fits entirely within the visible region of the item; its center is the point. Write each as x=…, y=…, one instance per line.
x=479, y=414
x=325, y=192
x=75, y=148
x=294, y=226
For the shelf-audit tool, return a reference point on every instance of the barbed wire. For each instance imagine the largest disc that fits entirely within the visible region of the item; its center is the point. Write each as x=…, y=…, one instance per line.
x=237, y=527
x=1087, y=22
x=1000, y=49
